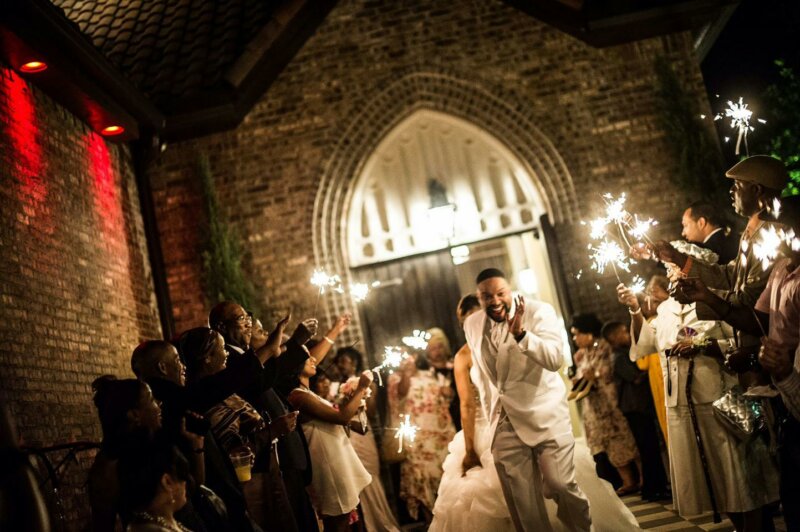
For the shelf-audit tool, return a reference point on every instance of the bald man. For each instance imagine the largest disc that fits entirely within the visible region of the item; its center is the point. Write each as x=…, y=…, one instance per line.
x=157, y=363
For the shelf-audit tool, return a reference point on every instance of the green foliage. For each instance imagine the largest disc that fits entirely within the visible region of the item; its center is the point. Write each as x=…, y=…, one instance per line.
x=695, y=153
x=783, y=112
x=222, y=252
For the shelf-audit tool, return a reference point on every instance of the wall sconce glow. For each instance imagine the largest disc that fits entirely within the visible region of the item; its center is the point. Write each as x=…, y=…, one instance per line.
x=442, y=213
x=460, y=255
x=111, y=131
x=443, y=220
x=527, y=282
x=32, y=67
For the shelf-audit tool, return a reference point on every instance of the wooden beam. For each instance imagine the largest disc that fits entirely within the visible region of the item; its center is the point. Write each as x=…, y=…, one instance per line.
x=600, y=28
x=253, y=73
x=79, y=76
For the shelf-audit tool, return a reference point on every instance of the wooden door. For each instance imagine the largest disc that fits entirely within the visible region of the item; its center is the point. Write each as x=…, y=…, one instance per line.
x=417, y=293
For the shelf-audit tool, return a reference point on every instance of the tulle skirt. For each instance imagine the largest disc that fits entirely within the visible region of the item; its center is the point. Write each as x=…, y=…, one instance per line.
x=476, y=502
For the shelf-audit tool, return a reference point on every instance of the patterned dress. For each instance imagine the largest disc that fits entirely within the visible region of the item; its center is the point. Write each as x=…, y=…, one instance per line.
x=607, y=430
x=421, y=472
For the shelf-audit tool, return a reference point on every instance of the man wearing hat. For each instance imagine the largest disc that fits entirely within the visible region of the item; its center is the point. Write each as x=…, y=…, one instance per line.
x=757, y=182
x=777, y=311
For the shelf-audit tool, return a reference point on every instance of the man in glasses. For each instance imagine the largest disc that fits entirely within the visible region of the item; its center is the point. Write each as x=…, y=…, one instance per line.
x=235, y=325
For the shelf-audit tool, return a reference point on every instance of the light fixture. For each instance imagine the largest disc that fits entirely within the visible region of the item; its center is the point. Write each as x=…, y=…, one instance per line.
x=111, y=131
x=441, y=213
x=32, y=67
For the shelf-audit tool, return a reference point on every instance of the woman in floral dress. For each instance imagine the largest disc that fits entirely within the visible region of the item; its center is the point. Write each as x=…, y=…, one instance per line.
x=425, y=396
x=607, y=430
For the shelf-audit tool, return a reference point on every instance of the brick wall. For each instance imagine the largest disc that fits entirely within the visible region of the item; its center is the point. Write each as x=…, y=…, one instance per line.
x=482, y=60
x=76, y=287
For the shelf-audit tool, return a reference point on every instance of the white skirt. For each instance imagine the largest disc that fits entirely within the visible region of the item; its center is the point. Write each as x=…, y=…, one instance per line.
x=338, y=476
x=743, y=475
x=476, y=502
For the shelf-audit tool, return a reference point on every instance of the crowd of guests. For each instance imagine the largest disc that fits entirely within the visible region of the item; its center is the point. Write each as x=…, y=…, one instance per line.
x=233, y=427
x=707, y=363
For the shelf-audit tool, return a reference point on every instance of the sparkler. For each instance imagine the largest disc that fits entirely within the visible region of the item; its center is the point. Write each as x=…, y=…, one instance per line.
x=638, y=285
x=406, y=431
x=766, y=247
x=598, y=228
x=392, y=357
x=740, y=117
x=359, y=291
x=323, y=281
x=418, y=339
x=608, y=253
x=640, y=228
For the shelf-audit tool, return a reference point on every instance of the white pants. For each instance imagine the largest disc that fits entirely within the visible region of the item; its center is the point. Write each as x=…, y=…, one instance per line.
x=527, y=474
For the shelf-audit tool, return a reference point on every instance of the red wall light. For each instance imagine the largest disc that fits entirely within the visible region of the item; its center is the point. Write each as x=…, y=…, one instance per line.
x=111, y=131
x=32, y=67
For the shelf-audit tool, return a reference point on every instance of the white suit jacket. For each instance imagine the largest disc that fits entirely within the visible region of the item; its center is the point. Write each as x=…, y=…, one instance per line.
x=661, y=334
x=528, y=387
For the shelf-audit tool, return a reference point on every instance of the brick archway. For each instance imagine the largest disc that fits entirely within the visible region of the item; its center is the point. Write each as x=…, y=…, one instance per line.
x=504, y=115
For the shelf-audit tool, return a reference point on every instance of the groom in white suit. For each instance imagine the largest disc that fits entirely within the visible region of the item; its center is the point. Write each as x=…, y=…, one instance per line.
x=517, y=346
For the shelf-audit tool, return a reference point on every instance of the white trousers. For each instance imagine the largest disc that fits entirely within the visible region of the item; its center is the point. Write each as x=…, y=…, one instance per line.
x=528, y=474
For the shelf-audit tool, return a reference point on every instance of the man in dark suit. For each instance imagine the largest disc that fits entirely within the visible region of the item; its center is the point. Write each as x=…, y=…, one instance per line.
x=236, y=327
x=703, y=225
x=157, y=363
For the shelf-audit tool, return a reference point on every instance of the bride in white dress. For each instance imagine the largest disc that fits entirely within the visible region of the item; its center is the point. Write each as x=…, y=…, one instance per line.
x=474, y=501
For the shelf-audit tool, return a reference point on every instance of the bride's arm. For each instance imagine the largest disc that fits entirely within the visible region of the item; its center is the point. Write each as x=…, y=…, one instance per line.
x=461, y=367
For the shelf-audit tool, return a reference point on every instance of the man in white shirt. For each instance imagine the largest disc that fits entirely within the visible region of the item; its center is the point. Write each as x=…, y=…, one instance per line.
x=517, y=346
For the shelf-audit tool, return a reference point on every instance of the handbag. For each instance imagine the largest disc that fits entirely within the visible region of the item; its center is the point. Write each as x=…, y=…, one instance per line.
x=743, y=416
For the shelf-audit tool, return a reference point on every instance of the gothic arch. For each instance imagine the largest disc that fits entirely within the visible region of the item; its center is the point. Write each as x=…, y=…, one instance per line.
x=504, y=116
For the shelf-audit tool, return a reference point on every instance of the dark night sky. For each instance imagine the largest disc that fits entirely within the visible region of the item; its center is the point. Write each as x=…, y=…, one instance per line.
x=741, y=60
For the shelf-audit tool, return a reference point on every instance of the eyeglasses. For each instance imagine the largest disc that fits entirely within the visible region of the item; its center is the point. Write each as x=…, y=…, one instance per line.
x=243, y=319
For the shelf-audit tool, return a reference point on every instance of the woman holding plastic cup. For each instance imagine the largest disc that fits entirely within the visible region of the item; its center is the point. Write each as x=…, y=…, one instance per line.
x=236, y=424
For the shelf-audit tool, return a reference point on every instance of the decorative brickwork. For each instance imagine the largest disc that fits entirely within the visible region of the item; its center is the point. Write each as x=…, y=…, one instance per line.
x=75, y=286
x=564, y=108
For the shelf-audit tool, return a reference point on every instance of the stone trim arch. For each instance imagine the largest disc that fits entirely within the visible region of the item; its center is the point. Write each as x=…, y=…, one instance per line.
x=504, y=115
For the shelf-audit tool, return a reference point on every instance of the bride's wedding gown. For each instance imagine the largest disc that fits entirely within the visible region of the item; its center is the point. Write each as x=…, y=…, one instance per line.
x=475, y=502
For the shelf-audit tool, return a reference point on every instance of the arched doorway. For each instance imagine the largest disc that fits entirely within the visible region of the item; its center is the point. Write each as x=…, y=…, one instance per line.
x=502, y=114
x=436, y=201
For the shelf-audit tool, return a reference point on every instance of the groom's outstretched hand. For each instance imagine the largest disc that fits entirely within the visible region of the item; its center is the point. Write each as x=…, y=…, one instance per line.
x=471, y=459
x=515, y=323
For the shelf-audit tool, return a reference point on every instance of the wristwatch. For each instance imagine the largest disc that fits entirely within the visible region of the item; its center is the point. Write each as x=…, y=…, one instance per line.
x=520, y=336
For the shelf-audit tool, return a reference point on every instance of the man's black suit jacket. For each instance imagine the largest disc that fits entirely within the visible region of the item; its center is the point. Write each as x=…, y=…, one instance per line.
x=263, y=394
x=724, y=245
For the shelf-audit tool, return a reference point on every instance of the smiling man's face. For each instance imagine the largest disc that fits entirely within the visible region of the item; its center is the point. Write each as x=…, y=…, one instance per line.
x=495, y=297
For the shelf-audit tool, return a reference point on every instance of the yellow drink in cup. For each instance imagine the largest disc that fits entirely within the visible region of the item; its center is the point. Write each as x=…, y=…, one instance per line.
x=242, y=464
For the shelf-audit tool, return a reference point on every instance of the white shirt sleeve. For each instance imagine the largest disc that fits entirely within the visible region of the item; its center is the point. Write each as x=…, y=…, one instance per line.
x=646, y=345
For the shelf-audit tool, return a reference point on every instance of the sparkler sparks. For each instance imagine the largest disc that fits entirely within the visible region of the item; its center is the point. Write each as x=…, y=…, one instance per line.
x=608, y=254
x=640, y=228
x=597, y=228
x=776, y=208
x=392, y=357
x=405, y=432
x=767, y=248
x=638, y=285
x=359, y=291
x=323, y=281
x=740, y=117
x=417, y=340
x=615, y=208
